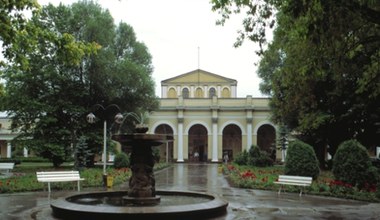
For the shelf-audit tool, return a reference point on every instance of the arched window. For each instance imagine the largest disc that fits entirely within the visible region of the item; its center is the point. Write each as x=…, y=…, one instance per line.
x=172, y=93
x=226, y=93
x=199, y=93
x=212, y=92
x=185, y=93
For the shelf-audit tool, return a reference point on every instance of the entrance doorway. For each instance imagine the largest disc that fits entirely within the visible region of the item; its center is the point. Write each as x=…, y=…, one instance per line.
x=166, y=149
x=232, y=144
x=266, y=139
x=198, y=144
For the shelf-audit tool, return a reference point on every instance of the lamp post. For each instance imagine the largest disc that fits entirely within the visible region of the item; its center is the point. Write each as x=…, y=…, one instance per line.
x=91, y=119
x=284, y=146
x=283, y=141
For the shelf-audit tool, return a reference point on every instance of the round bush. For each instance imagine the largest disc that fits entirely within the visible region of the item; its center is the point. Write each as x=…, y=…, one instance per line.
x=351, y=164
x=259, y=158
x=301, y=160
x=121, y=160
x=242, y=158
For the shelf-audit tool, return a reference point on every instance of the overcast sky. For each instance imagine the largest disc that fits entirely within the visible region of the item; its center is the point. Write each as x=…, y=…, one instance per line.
x=181, y=36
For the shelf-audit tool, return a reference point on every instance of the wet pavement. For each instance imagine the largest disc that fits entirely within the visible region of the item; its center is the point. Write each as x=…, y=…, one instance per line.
x=242, y=203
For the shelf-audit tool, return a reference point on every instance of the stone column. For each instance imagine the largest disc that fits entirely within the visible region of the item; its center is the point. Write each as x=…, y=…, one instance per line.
x=214, y=140
x=249, y=121
x=180, y=140
x=249, y=133
x=9, y=150
x=214, y=109
x=26, y=152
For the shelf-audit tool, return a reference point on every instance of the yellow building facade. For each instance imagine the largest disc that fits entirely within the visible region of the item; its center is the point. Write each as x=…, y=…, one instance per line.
x=6, y=136
x=207, y=119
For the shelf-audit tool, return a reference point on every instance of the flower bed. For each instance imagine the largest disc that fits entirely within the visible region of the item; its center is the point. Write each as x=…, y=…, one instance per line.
x=326, y=185
x=24, y=177
x=21, y=182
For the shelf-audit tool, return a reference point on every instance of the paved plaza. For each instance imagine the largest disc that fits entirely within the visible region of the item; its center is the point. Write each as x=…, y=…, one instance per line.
x=242, y=203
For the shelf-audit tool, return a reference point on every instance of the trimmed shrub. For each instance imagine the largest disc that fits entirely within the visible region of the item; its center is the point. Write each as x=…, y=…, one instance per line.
x=242, y=158
x=156, y=154
x=301, y=160
x=121, y=160
x=377, y=193
x=352, y=164
x=258, y=157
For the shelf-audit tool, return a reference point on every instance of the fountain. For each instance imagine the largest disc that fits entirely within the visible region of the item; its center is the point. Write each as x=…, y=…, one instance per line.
x=141, y=200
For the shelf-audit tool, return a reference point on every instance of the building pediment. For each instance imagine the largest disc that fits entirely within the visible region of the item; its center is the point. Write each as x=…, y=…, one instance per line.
x=199, y=76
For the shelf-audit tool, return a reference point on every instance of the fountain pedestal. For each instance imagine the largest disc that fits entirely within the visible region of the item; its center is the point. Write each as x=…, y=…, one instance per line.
x=142, y=189
x=141, y=201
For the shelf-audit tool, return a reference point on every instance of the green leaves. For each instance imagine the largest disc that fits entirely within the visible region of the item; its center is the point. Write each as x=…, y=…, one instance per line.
x=63, y=61
x=259, y=17
x=322, y=67
x=301, y=160
x=351, y=164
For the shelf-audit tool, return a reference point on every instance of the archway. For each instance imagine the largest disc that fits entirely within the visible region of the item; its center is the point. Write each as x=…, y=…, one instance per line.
x=172, y=93
x=266, y=139
x=166, y=149
x=198, y=93
x=226, y=93
x=232, y=141
x=198, y=143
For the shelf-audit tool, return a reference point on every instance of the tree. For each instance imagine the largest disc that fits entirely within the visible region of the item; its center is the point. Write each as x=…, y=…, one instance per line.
x=13, y=25
x=50, y=99
x=1, y=95
x=19, y=36
x=322, y=68
x=82, y=153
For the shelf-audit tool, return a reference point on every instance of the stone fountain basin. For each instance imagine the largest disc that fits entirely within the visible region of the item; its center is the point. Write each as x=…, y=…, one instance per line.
x=109, y=205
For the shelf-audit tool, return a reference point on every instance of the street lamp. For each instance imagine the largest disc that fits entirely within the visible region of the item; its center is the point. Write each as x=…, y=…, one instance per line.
x=91, y=119
x=283, y=147
x=283, y=141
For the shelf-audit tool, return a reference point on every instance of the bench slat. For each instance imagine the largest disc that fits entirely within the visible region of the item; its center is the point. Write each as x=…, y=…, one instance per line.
x=58, y=179
x=7, y=166
x=293, y=180
x=59, y=176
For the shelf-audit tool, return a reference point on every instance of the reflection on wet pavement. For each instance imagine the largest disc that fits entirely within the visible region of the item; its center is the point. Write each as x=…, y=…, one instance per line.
x=242, y=203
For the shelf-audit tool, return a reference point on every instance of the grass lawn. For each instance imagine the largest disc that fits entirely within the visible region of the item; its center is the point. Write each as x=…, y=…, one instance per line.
x=24, y=178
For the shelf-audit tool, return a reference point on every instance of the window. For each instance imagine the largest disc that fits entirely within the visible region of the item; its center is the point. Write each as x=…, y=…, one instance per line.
x=226, y=93
x=185, y=93
x=199, y=93
x=172, y=93
x=212, y=92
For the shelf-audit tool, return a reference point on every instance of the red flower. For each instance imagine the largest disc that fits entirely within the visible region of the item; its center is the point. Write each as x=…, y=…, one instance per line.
x=340, y=183
x=230, y=167
x=248, y=174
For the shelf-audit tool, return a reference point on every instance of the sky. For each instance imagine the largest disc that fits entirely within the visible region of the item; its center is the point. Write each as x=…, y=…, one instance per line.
x=182, y=36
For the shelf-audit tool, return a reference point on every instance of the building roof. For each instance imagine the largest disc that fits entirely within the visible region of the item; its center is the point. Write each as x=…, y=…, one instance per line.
x=199, y=76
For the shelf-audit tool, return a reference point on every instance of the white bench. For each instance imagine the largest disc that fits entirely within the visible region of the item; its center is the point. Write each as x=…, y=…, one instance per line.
x=294, y=181
x=7, y=166
x=59, y=176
